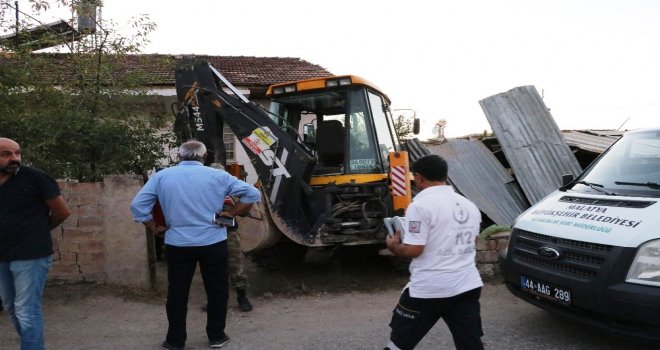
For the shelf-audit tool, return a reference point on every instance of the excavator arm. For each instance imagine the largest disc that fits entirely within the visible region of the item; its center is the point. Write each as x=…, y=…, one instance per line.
x=282, y=163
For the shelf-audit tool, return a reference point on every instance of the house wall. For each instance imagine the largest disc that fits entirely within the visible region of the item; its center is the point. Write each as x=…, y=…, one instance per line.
x=100, y=242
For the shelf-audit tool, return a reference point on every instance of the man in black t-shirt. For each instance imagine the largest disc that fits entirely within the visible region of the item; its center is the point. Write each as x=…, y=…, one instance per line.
x=30, y=207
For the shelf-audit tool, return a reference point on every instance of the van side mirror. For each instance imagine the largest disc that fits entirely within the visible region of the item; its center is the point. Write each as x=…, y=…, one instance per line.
x=566, y=179
x=416, y=126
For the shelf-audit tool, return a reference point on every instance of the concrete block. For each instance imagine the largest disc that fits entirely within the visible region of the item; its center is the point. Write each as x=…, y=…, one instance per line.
x=92, y=246
x=68, y=259
x=85, y=221
x=68, y=246
x=88, y=258
x=486, y=256
x=502, y=243
x=67, y=272
x=486, y=244
x=80, y=234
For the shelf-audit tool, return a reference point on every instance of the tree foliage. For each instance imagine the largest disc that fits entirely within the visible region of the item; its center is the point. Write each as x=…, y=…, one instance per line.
x=403, y=126
x=82, y=114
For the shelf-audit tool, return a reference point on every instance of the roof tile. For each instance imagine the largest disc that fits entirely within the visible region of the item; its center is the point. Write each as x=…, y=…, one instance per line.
x=247, y=71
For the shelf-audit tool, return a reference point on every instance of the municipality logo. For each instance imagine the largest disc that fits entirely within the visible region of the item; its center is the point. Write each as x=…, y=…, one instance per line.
x=461, y=215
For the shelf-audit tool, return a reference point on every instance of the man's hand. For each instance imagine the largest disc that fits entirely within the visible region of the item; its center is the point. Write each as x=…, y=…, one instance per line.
x=154, y=229
x=159, y=231
x=393, y=240
x=394, y=244
x=237, y=209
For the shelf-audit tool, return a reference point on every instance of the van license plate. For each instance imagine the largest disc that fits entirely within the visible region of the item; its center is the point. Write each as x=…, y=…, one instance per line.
x=545, y=290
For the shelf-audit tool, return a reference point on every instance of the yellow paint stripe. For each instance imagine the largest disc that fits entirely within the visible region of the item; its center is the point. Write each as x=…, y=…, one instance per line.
x=346, y=179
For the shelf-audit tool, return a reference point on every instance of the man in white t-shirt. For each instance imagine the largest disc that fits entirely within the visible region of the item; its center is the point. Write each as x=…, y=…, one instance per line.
x=440, y=237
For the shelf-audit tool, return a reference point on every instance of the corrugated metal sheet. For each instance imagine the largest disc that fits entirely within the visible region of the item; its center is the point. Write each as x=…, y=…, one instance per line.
x=531, y=140
x=475, y=172
x=615, y=133
x=596, y=141
x=415, y=148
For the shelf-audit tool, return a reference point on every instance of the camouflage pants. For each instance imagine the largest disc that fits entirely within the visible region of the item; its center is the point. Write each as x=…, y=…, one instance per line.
x=237, y=275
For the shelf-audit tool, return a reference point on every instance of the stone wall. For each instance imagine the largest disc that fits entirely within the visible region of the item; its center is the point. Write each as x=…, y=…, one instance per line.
x=99, y=242
x=487, y=251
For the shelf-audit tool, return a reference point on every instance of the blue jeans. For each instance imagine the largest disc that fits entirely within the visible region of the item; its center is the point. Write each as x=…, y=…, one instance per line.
x=22, y=284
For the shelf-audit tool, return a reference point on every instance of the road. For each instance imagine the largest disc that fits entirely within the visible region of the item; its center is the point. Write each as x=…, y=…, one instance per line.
x=318, y=306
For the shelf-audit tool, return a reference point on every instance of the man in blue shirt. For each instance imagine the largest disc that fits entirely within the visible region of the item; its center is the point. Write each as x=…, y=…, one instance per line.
x=190, y=194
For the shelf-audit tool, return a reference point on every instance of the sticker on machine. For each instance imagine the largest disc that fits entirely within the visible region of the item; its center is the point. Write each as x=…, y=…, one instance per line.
x=254, y=144
x=260, y=139
x=265, y=135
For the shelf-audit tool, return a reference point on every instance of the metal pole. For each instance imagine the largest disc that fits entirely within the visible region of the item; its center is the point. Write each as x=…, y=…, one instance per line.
x=17, y=40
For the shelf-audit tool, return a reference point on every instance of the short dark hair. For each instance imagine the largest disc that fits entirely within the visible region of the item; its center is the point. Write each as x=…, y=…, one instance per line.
x=432, y=167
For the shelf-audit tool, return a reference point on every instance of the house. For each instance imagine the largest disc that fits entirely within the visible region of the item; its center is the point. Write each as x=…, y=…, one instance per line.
x=250, y=75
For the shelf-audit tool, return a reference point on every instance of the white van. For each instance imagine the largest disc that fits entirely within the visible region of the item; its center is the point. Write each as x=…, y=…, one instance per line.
x=591, y=250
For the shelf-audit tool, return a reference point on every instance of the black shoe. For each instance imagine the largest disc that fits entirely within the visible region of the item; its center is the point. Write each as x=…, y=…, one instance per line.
x=216, y=344
x=168, y=346
x=243, y=303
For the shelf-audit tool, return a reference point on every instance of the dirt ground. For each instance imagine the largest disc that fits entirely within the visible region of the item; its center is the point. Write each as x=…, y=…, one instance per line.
x=339, y=303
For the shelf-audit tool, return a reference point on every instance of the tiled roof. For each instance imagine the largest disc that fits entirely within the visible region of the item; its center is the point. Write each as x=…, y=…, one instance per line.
x=243, y=71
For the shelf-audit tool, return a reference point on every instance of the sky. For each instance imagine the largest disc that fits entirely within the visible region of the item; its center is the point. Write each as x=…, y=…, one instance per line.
x=595, y=62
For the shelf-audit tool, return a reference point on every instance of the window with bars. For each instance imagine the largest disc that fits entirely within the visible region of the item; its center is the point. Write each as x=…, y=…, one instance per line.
x=229, y=139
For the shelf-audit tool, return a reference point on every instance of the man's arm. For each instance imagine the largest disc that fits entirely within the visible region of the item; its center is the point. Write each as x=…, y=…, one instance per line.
x=143, y=202
x=237, y=209
x=248, y=195
x=400, y=249
x=58, y=211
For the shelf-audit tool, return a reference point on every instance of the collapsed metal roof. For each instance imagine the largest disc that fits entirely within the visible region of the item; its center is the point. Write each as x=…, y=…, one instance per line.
x=533, y=144
x=479, y=176
x=475, y=171
x=595, y=141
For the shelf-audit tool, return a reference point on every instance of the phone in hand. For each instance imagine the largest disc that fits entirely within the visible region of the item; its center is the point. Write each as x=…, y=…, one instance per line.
x=393, y=224
x=225, y=221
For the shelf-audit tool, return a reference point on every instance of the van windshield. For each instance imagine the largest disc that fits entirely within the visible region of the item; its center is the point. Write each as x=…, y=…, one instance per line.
x=631, y=167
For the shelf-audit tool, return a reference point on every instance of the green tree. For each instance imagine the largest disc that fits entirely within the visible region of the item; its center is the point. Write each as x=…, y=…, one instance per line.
x=403, y=126
x=83, y=113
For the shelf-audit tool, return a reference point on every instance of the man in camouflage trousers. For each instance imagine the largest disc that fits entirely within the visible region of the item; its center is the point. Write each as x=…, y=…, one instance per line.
x=237, y=275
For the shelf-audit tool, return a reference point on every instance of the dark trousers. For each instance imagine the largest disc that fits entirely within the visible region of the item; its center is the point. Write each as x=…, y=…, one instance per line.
x=414, y=317
x=181, y=264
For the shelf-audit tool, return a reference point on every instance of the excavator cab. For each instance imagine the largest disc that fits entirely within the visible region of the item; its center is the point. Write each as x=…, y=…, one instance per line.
x=345, y=120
